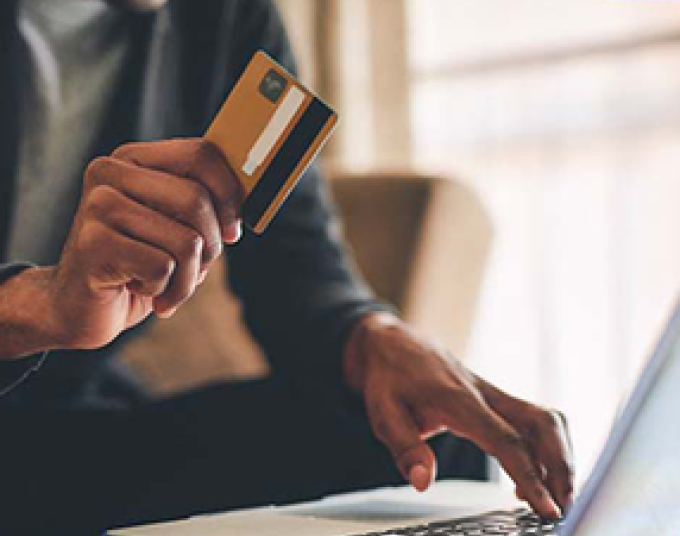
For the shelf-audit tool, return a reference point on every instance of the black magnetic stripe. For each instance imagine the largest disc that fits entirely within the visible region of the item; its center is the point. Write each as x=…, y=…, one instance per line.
x=284, y=163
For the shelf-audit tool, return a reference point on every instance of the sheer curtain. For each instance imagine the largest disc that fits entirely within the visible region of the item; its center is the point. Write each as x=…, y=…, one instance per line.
x=565, y=118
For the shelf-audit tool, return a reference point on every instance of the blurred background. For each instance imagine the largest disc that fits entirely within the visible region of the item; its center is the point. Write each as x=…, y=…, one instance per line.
x=510, y=177
x=563, y=118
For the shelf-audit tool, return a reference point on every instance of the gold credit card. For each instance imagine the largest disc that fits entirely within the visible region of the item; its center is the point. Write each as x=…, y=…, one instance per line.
x=270, y=129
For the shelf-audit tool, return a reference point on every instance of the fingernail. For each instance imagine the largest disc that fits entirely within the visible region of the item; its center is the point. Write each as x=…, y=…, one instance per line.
x=419, y=477
x=234, y=232
x=554, y=510
x=546, y=506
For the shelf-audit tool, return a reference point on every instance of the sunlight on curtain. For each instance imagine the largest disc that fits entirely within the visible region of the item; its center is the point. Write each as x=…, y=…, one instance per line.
x=565, y=118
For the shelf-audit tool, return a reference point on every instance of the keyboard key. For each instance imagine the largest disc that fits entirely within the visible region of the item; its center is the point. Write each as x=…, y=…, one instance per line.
x=519, y=522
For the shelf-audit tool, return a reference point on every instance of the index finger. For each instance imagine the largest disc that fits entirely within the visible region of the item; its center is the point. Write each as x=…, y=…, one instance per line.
x=195, y=159
x=552, y=449
x=549, y=442
x=502, y=441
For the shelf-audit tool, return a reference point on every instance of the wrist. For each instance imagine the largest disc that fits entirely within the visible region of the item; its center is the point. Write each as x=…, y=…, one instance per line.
x=357, y=350
x=28, y=314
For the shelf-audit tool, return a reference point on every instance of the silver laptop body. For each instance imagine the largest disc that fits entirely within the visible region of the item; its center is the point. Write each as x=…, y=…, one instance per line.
x=633, y=490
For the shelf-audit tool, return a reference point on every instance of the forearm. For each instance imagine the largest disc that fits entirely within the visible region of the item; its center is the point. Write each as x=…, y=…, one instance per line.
x=27, y=320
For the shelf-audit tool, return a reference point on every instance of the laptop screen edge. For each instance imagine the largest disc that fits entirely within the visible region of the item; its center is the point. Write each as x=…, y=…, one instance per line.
x=624, y=424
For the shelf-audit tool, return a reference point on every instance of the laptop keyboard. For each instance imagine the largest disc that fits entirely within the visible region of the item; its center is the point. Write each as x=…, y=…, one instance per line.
x=518, y=522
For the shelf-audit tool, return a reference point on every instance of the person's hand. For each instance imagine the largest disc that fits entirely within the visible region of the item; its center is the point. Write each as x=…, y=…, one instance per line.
x=411, y=391
x=151, y=220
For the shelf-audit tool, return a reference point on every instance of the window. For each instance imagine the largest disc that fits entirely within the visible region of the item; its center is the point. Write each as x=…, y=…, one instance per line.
x=565, y=119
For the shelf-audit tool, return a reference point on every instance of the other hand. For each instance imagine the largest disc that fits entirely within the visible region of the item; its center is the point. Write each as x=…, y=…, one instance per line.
x=412, y=391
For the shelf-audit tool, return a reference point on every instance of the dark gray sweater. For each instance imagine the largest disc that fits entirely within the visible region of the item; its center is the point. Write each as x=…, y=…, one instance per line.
x=77, y=438
x=299, y=292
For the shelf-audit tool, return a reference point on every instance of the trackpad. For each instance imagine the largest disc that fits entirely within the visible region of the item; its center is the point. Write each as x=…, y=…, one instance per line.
x=372, y=510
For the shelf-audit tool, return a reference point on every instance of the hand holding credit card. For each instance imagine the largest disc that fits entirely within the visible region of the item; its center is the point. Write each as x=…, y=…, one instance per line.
x=270, y=129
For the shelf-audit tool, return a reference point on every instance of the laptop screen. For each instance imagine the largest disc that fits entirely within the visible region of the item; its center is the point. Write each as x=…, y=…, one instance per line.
x=635, y=487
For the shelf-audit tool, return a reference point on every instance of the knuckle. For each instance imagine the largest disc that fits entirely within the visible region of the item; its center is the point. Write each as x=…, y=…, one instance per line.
x=512, y=441
x=162, y=268
x=199, y=204
x=205, y=156
x=199, y=153
x=452, y=389
x=534, y=487
x=204, y=151
x=530, y=482
x=381, y=428
x=200, y=212
x=178, y=293
x=91, y=236
x=98, y=168
x=101, y=201
x=380, y=425
x=233, y=188
x=449, y=395
x=530, y=476
x=212, y=249
x=125, y=151
x=235, y=193
x=191, y=246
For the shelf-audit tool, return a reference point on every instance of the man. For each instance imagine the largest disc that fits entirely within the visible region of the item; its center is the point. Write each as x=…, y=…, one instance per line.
x=97, y=244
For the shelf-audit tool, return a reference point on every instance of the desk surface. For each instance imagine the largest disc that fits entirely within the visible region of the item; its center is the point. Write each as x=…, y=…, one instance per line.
x=343, y=515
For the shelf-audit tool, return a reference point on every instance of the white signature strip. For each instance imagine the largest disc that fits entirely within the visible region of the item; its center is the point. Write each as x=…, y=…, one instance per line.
x=274, y=130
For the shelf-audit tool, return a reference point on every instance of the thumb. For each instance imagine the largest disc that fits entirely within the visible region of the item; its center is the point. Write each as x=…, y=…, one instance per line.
x=415, y=460
x=422, y=471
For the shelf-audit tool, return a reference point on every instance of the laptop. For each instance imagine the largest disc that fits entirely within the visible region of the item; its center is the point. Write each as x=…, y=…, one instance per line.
x=633, y=489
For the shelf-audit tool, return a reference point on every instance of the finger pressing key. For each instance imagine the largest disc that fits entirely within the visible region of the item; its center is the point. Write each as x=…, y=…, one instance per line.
x=500, y=440
x=553, y=452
